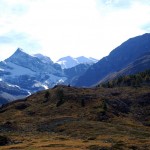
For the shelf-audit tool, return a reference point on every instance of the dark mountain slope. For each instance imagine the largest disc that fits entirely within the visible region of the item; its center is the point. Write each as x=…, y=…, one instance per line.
x=119, y=58
x=139, y=65
x=73, y=73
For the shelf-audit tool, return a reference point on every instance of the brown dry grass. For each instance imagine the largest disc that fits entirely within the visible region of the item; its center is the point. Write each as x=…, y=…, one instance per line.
x=50, y=141
x=42, y=125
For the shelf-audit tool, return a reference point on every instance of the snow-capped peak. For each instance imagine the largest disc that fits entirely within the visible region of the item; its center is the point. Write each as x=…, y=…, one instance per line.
x=69, y=62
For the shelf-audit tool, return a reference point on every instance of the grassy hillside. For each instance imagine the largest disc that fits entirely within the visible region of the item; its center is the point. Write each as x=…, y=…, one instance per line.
x=72, y=118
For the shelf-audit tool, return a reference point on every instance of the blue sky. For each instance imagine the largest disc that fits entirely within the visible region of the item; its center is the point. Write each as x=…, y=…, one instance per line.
x=58, y=28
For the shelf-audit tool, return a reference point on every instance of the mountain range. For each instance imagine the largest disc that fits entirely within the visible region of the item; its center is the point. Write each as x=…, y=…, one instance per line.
x=111, y=113
x=22, y=74
x=28, y=74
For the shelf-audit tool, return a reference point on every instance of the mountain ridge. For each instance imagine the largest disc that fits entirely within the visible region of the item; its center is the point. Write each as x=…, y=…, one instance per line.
x=118, y=58
x=34, y=73
x=29, y=72
x=69, y=62
x=140, y=64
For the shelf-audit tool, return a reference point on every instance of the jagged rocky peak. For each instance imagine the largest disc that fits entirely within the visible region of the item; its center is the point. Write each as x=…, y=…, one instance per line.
x=18, y=54
x=19, y=51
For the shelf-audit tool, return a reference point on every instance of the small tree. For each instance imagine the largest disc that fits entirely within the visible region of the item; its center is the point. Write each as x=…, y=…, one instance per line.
x=147, y=78
x=83, y=102
x=60, y=96
x=104, y=105
x=46, y=96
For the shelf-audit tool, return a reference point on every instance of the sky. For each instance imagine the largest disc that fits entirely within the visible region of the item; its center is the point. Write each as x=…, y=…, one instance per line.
x=58, y=28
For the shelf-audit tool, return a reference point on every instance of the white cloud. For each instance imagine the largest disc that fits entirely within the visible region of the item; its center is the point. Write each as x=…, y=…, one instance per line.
x=73, y=27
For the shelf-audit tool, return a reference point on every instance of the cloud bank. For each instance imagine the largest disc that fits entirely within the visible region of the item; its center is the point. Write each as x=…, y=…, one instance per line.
x=59, y=28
